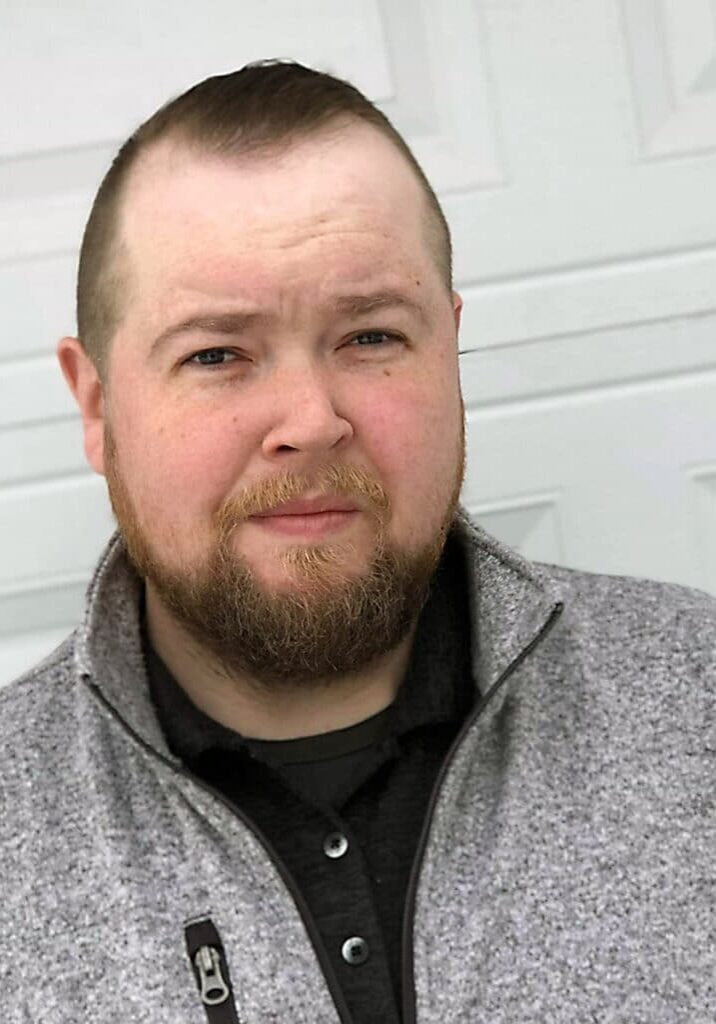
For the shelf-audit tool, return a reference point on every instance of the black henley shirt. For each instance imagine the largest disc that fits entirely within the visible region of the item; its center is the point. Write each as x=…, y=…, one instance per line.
x=344, y=810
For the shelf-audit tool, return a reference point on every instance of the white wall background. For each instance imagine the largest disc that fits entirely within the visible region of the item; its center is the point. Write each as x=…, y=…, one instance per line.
x=573, y=143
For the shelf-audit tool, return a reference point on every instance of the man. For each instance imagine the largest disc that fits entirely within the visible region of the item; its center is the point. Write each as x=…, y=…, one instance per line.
x=321, y=749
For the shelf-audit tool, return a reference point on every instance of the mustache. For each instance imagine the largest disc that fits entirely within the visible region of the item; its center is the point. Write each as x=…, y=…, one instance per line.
x=349, y=482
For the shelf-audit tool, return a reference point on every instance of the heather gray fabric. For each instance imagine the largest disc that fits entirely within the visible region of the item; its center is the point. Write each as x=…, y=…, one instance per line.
x=569, y=871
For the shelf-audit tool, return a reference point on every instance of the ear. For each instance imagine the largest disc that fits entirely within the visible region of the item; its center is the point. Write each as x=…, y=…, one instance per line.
x=84, y=383
x=457, y=309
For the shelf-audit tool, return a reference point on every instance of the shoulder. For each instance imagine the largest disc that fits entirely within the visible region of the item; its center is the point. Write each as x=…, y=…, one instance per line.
x=639, y=631
x=34, y=707
x=632, y=599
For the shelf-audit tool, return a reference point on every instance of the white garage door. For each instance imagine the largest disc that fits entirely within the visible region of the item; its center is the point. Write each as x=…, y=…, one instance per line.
x=573, y=144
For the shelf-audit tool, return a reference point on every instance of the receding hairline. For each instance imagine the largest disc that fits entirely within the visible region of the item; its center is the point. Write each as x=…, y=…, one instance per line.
x=179, y=141
x=116, y=276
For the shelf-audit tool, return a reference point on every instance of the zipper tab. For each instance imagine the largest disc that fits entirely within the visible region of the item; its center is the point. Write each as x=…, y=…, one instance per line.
x=214, y=989
x=211, y=971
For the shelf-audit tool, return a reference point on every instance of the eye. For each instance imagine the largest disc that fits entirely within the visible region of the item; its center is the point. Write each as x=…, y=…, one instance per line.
x=213, y=358
x=374, y=339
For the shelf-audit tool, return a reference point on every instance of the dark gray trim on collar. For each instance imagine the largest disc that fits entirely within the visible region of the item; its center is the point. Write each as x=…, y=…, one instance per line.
x=510, y=601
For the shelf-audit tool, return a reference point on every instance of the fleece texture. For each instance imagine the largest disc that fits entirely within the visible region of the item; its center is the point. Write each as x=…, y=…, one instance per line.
x=568, y=871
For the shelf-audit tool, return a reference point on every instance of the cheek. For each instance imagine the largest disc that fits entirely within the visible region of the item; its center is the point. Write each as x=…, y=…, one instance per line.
x=174, y=464
x=412, y=433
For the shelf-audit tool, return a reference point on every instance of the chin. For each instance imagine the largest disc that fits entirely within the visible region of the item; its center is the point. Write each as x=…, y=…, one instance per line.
x=300, y=565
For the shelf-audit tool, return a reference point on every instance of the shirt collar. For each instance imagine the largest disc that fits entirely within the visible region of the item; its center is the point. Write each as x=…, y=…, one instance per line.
x=512, y=602
x=437, y=686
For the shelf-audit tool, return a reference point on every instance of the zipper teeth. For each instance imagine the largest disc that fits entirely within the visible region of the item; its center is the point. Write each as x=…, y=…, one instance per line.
x=326, y=966
x=408, y=959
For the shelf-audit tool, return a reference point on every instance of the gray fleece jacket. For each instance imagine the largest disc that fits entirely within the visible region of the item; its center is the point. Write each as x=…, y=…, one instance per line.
x=566, y=874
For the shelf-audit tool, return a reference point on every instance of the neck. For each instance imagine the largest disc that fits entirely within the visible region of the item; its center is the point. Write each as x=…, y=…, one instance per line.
x=241, y=704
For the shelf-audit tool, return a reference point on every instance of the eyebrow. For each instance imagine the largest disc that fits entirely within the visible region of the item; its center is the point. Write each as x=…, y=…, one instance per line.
x=360, y=305
x=236, y=322
x=214, y=323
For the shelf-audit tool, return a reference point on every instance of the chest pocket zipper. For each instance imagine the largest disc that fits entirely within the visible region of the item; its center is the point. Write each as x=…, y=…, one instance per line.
x=211, y=970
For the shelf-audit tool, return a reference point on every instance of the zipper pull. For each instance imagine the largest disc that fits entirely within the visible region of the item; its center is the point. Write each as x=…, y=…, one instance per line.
x=210, y=967
x=213, y=988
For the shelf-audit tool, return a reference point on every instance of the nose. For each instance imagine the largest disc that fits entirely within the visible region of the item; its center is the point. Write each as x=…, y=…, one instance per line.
x=306, y=417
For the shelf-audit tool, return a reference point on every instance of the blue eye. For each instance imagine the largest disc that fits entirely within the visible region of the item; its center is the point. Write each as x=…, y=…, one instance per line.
x=212, y=362
x=373, y=334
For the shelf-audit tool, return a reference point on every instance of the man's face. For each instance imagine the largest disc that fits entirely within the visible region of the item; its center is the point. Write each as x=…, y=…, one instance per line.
x=322, y=362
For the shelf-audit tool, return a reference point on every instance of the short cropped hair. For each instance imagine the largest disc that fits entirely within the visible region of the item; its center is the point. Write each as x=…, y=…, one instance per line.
x=256, y=110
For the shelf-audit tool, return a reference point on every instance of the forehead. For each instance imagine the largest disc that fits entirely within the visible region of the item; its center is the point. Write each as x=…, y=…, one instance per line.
x=339, y=204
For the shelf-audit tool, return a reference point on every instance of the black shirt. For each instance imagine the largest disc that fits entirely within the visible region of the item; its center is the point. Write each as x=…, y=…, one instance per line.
x=344, y=810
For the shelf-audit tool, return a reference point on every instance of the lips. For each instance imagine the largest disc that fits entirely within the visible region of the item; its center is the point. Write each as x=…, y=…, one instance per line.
x=310, y=507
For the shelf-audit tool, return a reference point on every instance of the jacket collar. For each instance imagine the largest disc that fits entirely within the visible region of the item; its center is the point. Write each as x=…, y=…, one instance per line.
x=511, y=600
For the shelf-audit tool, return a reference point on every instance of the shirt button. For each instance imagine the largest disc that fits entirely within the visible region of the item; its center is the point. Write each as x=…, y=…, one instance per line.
x=335, y=845
x=355, y=950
